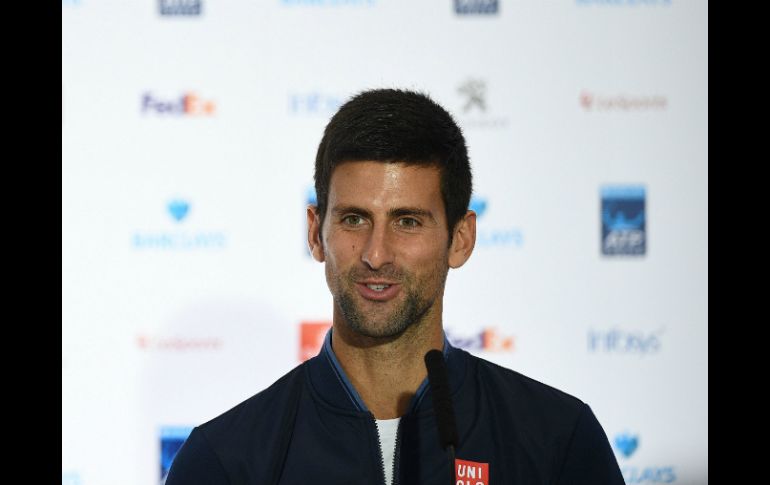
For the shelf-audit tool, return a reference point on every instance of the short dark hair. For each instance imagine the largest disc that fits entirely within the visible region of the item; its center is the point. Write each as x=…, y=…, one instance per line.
x=393, y=125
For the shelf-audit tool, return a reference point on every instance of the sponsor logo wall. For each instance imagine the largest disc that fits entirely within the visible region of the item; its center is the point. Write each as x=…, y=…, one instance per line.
x=589, y=150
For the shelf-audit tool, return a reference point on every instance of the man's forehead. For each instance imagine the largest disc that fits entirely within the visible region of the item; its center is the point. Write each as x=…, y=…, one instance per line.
x=393, y=177
x=384, y=186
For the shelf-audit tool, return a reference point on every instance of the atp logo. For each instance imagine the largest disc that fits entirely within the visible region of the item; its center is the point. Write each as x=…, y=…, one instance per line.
x=623, y=220
x=171, y=439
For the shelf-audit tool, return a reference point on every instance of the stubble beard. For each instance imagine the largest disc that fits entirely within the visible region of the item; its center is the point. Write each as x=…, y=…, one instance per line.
x=374, y=323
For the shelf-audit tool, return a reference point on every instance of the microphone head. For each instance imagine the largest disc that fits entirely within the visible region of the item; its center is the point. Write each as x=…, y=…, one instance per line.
x=442, y=400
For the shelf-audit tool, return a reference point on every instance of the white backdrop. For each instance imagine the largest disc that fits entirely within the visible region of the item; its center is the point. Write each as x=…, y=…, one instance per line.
x=188, y=142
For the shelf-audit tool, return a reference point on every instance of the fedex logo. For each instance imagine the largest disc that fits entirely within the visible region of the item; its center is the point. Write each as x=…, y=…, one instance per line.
x=311, y=338
x=488, y=339
x=189, y=104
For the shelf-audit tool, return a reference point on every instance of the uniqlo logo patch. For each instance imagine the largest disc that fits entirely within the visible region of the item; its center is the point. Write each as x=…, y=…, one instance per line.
x=311, y=338
x=471, y=473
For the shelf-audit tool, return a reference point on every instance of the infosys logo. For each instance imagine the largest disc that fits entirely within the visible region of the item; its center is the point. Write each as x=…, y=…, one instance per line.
x=187, y=104
x=489, y=235
x=626, y=445
x=617, y=341
x=314, y=103
x=178, y=235
x=171, y=439
x=488, y=340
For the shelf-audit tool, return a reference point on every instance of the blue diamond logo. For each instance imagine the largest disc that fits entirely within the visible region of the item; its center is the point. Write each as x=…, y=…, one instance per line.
x=178, y=209
x=626, y=444
x=479, y=206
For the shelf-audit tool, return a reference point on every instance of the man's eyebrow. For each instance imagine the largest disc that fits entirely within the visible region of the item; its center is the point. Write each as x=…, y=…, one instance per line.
x=392, y=213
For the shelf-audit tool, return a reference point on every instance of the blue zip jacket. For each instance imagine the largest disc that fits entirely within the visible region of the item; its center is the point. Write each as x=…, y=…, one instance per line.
x=312, y=427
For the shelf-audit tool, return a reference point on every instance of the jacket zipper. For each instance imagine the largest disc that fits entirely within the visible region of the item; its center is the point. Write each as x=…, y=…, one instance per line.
x=395, y=453
x=379, y=450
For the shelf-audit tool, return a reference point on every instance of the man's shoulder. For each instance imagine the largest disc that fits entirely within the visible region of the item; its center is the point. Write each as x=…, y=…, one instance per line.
x=522, y=395
x=257, y=416
x=242, y=442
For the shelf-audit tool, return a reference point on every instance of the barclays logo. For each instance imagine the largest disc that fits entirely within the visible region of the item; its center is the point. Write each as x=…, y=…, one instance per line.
x=623, y=220
x=634, y=475
x=311, y=197
x=495, y=237
x=178, y=209
x=620, y=342
x=626, y=444
x=479, y=206
x=171, y=439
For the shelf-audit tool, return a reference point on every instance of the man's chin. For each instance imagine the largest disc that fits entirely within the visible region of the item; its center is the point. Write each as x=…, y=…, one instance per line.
x=377, y=330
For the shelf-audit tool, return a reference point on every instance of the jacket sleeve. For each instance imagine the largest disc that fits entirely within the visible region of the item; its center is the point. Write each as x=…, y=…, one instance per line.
x=196, y=464
x=589, y=459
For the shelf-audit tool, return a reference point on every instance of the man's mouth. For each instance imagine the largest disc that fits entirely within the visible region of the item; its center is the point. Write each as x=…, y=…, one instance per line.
x=378, y=287
x=378, y=291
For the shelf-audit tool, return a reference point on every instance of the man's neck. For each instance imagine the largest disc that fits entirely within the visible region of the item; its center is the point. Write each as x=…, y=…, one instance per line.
x=387, y=372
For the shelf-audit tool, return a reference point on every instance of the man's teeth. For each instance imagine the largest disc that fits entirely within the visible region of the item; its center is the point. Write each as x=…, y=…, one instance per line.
x=378, y=287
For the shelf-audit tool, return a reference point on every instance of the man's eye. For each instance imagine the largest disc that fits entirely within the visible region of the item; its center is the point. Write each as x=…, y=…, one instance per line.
x=408, y=222
x=352, y=220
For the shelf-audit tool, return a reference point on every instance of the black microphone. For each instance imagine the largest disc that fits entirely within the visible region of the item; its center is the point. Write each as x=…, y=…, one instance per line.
x=442, y=405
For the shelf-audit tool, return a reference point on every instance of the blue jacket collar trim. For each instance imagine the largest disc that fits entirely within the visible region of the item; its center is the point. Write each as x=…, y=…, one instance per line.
x=327, y=353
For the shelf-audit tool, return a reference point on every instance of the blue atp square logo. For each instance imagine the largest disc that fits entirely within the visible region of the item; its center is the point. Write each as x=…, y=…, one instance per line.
x=476, y=7
x=171, y=439
x=623, y=221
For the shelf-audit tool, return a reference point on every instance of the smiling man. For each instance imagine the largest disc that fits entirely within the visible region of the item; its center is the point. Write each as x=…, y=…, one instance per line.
x=394, y=182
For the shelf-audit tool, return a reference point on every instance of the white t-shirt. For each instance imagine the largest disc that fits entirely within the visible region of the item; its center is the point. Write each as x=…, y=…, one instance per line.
x=387, y=429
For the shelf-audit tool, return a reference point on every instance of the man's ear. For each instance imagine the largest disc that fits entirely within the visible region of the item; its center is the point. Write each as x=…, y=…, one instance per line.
x=314, y=241
x=463, y=241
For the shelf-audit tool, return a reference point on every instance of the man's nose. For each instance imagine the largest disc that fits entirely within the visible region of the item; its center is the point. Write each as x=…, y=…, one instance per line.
x=378, y=250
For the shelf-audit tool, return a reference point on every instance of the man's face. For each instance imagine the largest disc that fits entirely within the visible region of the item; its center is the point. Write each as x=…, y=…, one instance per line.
x=384, y=242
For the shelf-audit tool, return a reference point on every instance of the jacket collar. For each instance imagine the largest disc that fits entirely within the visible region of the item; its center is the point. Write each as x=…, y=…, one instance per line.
x=328, y=379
